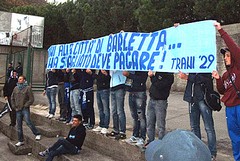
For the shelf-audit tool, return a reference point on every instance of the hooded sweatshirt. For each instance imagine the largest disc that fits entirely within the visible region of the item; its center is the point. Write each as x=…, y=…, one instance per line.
x=224, y=85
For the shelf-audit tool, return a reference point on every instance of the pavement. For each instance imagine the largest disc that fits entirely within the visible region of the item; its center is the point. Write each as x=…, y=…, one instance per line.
x=177, y=118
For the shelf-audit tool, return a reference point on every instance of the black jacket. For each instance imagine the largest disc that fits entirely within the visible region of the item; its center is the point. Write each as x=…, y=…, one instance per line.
x=8, y=87
x=74, y=80
x=51, y=79
x=136, y=82
x=195, y=82
x=103, y=81
x=161, y=85
x=86, y=79
x=76, y=136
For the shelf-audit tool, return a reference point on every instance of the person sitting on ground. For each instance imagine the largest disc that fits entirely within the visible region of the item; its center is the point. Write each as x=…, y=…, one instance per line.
x=71, y=144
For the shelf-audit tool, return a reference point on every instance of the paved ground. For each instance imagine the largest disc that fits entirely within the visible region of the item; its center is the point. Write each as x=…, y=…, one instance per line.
x=177, y=118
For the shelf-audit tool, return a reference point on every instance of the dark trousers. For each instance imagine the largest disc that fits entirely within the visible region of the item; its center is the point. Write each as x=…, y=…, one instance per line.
x=62, y=146
x=12, y=113
x=61, y=101
x=88, y=111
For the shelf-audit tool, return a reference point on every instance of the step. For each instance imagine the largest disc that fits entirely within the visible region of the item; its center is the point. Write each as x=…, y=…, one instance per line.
x=87, y=154
x=48, y=131
x=22, y=150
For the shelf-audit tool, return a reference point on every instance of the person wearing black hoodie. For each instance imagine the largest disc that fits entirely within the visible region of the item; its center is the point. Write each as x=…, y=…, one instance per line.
x=136, y=86
x=157, y=107
x=8, y=87
x=72, y=144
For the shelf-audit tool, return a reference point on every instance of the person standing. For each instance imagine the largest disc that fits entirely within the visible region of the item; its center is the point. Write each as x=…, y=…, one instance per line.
x=103, y=95
x=72, y=144
x=61, y=95
x=51, y=91
x=8, y=87
x=87, y=97
x=67, y=74
x=117, y=91
x=19, y=69
x=229, y=86
x=157, y=107
x=9, y=70
x=21, y=99
x=136, y=86
x=194, y=95
x=75, y=93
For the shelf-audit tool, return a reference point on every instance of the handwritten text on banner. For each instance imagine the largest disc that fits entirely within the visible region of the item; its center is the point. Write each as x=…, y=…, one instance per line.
x=188, y=47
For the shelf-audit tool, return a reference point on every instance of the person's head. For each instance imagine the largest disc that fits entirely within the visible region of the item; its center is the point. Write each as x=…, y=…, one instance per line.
x=10, y=65
x=74, y=70
x=14, y=74
x=227, y=56
x=21, y=79
x=19, y=63
x=77, y=120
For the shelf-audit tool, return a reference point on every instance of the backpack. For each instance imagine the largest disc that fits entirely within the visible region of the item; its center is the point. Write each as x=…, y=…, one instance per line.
x=212, y=99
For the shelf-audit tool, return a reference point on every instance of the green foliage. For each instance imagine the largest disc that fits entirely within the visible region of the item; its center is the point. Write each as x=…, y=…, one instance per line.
x=85, y=19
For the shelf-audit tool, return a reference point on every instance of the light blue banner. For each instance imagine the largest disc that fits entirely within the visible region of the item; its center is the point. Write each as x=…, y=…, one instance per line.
x=189, y=47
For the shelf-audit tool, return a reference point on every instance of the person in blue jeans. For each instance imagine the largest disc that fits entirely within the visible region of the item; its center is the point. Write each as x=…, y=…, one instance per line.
x=72, y=144
x=103, y=96
x=136, y=86
x=157, y=107
x=117, y=91
x=194, y=95
x=22, y=97
x=51, y=91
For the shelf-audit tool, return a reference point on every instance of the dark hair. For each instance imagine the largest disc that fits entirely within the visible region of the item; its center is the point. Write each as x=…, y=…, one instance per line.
x=22, y=76
x=19, y=63
x=79, y=117
x=224, y=50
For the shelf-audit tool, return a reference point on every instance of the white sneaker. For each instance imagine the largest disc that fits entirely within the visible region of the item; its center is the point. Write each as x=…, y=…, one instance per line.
x=104, y=131
x=38, y=137
x=19, y=144
x=133, y=139
x=97, y=129
x=140, y=142
x=51, y=116
x=47, y=115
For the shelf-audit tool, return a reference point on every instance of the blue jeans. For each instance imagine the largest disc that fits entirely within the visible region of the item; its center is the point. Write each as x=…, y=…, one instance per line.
x=156, y=114
x=62, y=146
x=197, y=109
x=51, y=95
x=103, y=107
x=118, y=113
x=25, y=112
x=74, y=102
x=137, y=104
x=233, y=124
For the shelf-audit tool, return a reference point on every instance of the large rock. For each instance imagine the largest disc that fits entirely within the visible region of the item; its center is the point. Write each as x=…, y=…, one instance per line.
x=21, y=150
x=48, y=131
x=178, y=145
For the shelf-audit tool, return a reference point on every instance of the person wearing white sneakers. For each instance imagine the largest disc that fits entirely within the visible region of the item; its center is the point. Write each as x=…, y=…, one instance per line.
x=21, y=99
x=103, y=96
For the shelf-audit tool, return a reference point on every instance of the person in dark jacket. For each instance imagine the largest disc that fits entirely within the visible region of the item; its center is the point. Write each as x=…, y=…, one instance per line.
x=51, y=91
x=75, y=92
x=231, y=98
x=157, y=106
x=19, y=69
x=61, y=95
x=9, y=70
x=136, y=86
x=194, y=95
x=87, y=97
x=103, y=96
x=66, y=79
x=72, y=144
x=8, y=87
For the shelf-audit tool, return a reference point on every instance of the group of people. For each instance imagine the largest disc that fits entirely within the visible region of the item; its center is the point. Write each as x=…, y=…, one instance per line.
x=75, y=95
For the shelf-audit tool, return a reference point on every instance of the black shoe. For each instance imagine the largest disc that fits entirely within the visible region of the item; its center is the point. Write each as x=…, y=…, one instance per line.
x=120, y=136
x=112, y=134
